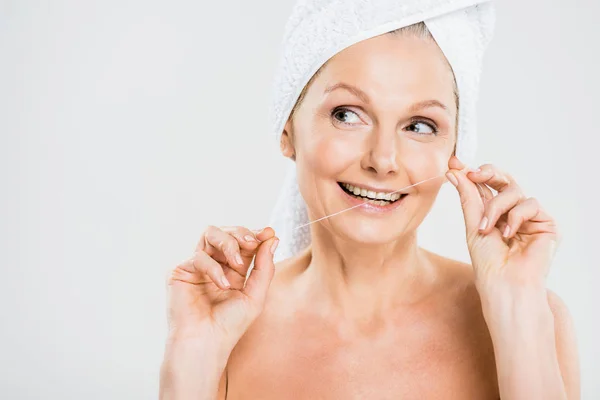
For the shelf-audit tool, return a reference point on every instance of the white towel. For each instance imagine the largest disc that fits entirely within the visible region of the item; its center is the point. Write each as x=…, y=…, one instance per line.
x=319, y=29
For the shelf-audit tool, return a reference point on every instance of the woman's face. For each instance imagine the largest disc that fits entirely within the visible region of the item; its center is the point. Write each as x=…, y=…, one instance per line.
x=380, y=116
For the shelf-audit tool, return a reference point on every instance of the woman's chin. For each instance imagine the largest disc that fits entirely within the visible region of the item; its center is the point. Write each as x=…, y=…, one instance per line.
x=371, y=234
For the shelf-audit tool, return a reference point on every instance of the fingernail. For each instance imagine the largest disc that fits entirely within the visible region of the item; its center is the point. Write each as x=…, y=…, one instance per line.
x=274, y=246
x=258, y=232
x=249, y=238
x=452, y=178
x=238, y=259
x=483, y=224
x=506, y=231
x=225, y=282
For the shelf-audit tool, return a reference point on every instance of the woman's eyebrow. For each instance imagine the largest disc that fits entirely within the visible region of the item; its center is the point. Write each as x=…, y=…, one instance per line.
x=363, y=96
x=352, y=89
x=427, y=104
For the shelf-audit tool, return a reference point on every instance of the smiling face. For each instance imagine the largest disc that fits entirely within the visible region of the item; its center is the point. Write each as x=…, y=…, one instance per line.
x=379, y=116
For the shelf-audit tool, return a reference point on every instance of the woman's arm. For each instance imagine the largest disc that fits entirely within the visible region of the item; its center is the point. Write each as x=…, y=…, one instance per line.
x=534, y=343
x=512, y=242
x=193, y=369
x=212, y=300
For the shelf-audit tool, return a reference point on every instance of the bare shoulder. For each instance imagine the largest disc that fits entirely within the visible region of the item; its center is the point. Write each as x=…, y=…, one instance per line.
x=463, y=293
x=280, y=298
x=458, y=278
x=560, y=311
x=566, y=344
x=563, y=321
x=459, y=304
x=269, y=335
x=281, y=291
x=444, y=332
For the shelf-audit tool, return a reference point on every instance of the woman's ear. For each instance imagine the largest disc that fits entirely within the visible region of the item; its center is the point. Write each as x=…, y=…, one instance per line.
x=286, y=142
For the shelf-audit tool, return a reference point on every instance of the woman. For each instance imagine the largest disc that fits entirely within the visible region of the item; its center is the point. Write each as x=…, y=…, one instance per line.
x=363, y=312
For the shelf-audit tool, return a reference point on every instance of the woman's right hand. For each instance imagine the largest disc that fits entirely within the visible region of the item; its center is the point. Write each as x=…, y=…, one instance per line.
x=209, y=293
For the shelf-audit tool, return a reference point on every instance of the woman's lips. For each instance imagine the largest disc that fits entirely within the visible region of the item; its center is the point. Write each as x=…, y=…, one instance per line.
x=368, y=206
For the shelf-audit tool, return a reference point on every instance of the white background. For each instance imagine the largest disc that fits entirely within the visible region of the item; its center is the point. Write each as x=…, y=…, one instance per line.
x=127, y=126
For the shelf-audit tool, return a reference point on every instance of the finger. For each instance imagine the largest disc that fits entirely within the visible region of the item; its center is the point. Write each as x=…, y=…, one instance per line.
x=455, y=163
x=248, y=244
x=491, y=176
x=502, y=223
x=261, y=275
x=221, y=243
x=470, y=200
x=235, y=278
x=197, y=269
x=498, y=206
x=528, y=210
x=528, y=227
x=247, y=240
x=485, y=192
x=265, y=234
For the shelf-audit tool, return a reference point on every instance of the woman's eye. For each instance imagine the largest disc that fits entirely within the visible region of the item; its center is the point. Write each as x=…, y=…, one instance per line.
x=346, y=116
x=422, y=128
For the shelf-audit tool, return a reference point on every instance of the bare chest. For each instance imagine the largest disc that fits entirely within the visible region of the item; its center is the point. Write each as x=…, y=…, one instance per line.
x=436, y=362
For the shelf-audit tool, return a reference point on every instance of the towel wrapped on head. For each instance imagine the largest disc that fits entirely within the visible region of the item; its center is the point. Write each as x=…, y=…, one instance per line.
x=319, y=29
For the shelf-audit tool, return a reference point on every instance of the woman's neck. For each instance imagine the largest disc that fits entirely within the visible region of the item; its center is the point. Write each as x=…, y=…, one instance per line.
x=363, y=282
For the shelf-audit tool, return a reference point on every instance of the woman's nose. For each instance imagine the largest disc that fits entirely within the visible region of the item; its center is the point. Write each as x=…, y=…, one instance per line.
x=382, y=154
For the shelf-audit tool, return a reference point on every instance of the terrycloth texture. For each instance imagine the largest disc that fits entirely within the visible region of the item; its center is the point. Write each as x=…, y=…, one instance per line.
x=319, y=29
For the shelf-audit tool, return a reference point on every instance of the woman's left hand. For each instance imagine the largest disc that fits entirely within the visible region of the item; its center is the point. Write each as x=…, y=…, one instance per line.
x=510, y=238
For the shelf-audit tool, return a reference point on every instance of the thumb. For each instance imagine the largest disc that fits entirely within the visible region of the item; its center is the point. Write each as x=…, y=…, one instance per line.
x=470, y=200
x=262, y=273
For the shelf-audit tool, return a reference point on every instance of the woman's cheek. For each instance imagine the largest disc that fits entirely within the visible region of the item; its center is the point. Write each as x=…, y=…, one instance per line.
x=425, y=163
x=333, y=155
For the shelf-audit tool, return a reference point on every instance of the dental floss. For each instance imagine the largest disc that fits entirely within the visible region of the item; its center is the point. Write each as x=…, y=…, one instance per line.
x=358, y=205
x=466, y=170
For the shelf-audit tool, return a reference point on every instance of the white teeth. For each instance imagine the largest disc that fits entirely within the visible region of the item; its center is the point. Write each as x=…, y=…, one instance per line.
x=380, y=197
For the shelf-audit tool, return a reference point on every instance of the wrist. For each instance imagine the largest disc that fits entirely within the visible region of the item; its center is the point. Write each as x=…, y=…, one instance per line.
x=496, y=290
x=521, y=326
x=192, y=368
x=200, y=340
x=512, y=308
x=205, y=331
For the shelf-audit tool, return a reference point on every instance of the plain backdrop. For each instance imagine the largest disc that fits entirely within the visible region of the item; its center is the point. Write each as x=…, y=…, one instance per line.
x=126, y=127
